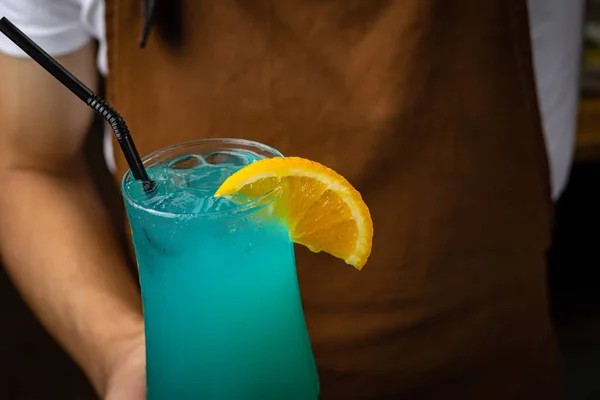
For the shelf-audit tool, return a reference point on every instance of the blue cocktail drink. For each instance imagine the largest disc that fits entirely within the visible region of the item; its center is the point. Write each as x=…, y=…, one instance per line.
x=221, y=300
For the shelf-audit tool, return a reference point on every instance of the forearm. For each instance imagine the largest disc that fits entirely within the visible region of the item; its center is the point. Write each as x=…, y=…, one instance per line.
x=60, y=251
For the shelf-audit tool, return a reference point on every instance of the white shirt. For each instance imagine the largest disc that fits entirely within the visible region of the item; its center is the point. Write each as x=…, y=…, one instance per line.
x=58, y=26
x=63, y=26
x=557, y=40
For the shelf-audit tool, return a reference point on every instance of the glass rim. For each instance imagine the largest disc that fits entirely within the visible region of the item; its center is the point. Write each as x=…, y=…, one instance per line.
x=159, y=155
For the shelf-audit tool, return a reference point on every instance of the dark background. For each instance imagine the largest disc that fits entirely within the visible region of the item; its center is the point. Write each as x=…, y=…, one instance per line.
x=574, y=280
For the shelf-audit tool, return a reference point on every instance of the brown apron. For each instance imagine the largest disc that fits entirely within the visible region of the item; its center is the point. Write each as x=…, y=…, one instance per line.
x=428, y=107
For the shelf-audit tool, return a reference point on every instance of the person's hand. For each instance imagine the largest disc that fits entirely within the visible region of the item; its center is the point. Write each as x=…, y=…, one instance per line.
x=127, y=380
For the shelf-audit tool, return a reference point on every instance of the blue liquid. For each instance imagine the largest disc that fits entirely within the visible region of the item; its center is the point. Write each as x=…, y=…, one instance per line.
x=221, y=301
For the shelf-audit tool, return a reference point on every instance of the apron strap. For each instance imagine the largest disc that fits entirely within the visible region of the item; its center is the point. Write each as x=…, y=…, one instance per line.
x=149, y=8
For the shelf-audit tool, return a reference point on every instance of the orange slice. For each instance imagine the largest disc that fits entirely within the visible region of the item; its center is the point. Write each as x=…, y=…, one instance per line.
x=321, y=209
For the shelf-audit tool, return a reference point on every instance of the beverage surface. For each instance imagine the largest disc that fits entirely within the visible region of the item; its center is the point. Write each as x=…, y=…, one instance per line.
x=186, y=185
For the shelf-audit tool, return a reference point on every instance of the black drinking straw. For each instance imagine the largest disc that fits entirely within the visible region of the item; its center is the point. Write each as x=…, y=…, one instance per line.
x=85, y=94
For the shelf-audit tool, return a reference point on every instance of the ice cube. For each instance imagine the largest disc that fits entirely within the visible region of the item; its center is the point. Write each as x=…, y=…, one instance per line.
x=160, y=202
x=178, y=177
x=184, y=202
x=218, y=204
x=187, y=162
x=209, y=177
x=227, y=158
